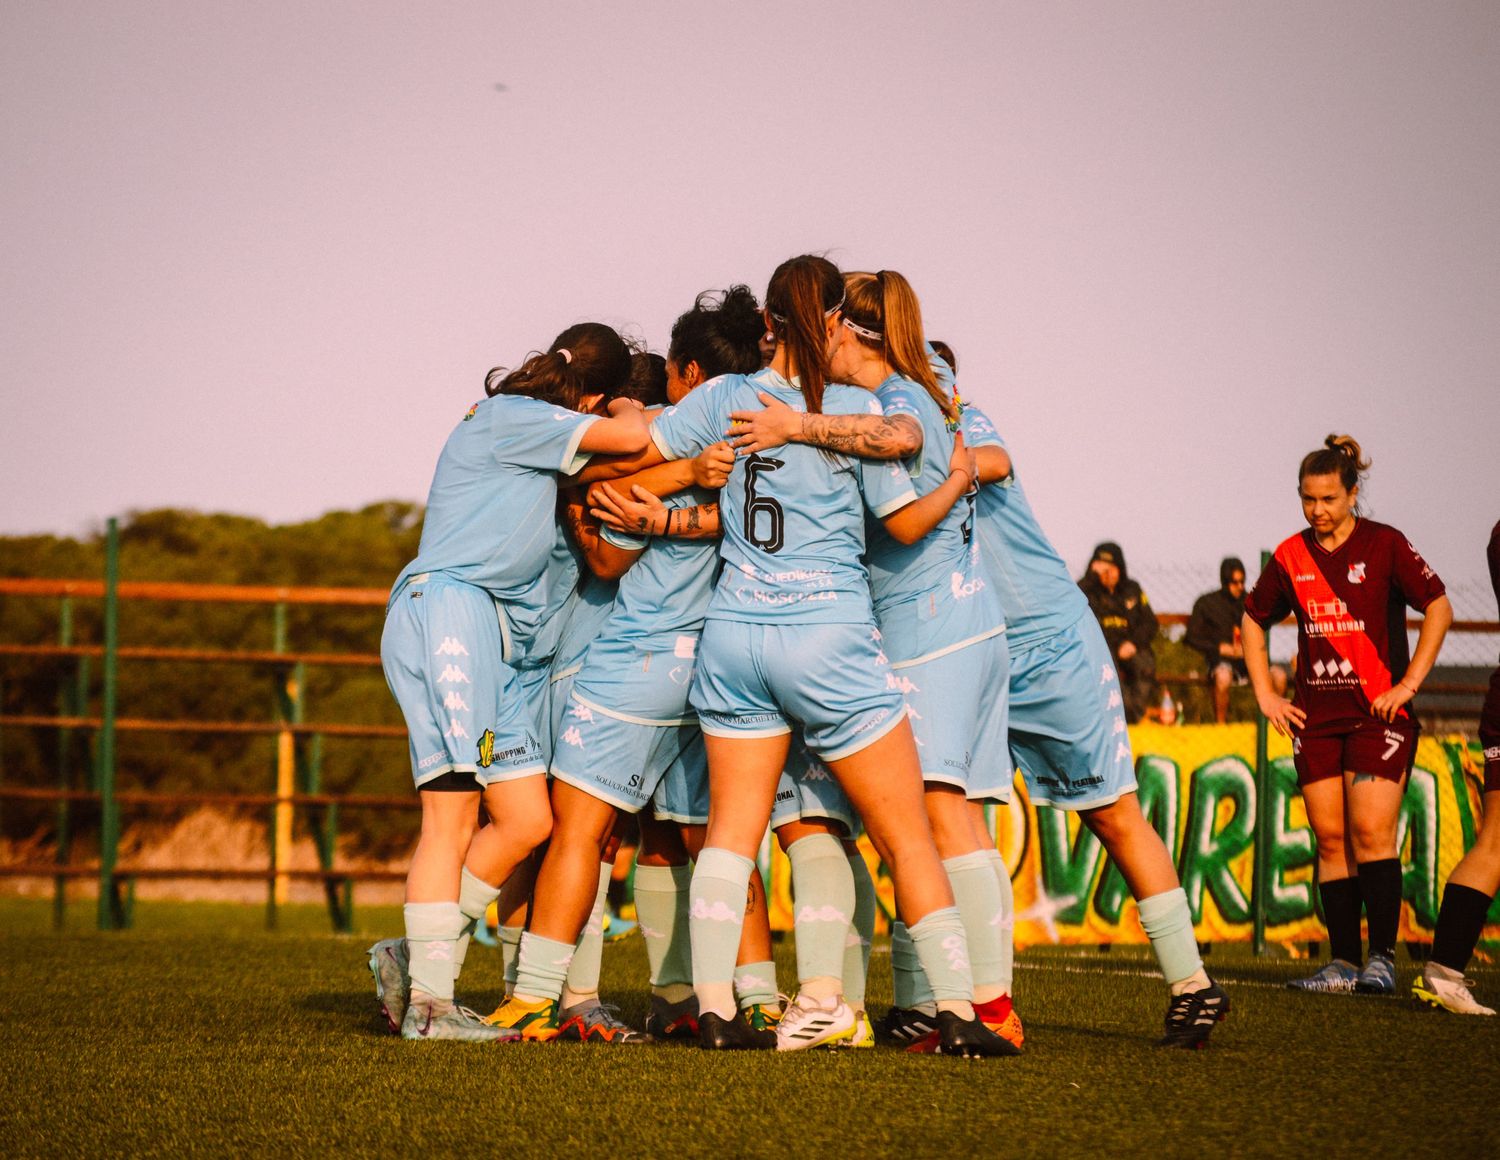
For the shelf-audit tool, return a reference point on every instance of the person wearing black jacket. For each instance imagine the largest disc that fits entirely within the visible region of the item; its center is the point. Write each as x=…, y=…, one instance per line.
x=1129, y=625
x=1214, y=630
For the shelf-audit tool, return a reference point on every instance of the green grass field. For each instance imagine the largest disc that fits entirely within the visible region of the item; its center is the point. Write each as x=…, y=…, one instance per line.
x=197, y=1032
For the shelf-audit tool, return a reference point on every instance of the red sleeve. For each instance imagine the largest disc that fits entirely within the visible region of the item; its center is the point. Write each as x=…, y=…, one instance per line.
x=1418, y=583
x=1271, y=598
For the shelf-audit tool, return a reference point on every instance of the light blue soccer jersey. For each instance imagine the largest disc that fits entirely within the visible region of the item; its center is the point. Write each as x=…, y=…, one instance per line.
x=1039, y=597
x=585, y=618
x=666, y=592
x=944, y=564
x=491, y=509
x=559, y=584
x=792, y=517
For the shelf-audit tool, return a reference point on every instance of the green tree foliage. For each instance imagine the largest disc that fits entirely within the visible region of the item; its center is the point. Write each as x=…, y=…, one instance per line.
x=346, y=549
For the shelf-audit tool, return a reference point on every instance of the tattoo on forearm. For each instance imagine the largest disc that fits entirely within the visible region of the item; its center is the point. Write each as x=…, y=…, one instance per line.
x=867, y=436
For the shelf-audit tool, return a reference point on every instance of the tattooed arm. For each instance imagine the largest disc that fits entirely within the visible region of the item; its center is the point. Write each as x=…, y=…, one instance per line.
x=645, y=515
x=604, y=559
x=866, y=436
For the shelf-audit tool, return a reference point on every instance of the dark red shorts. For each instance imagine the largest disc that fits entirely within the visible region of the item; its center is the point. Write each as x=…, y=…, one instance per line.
x=1370, y=746
x=1489, y=734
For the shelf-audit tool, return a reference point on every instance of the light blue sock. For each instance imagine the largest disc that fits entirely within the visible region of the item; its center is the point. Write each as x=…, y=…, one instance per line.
x=823, y=894
x=756, y=983
x=432, y=930
x=588, y=953
x=909, y=984
x=541, y=967
x=510, y=948
x=716, y=916
x=977, y=896
x=1169, y=925
x=1007, y=923
x=474, y=898
x=861, y=934
x=661, y=907
x=944, y=951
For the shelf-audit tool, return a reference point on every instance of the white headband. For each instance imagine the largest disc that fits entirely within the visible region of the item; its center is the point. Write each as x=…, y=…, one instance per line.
x=829, y=313
x=863, y=331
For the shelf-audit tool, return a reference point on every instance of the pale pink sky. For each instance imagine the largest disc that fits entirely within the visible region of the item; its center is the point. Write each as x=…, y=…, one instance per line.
x=258, y=257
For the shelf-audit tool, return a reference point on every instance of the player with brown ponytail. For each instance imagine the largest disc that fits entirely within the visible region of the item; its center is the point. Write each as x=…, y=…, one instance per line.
x=1349, y=580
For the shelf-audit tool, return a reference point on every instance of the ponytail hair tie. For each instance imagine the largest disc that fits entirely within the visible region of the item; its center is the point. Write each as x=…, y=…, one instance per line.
x=566, y=354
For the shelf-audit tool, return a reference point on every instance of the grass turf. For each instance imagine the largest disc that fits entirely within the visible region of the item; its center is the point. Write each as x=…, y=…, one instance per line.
x=199, y=1033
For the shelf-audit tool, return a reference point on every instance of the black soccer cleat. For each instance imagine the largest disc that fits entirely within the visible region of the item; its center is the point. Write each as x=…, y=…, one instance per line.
x=970, y=1038
x=905, y=1026
x=715, y=1033
x=1193, y=1015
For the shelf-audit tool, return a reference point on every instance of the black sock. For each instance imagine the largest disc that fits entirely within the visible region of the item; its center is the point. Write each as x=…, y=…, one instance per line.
x=1460, y=923
x=1341, y=909
x=1380, y=882
x=618, y=893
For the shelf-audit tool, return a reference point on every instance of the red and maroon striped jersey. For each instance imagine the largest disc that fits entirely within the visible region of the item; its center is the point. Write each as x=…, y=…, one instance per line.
x=1350, y=605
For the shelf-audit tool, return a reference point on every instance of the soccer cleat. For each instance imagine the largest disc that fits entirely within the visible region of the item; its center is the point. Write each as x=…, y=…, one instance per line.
x=1378, y=977
x=715, y=1033
x=1447, y=994
x=762, y=1016
x=969, y=1038
x=809, y=1023
x=999, y=1015
x=429, y=1018
x=536, y=1022
x=614, y=926
x=673, y=1020
x=1334, y=978
x=905, y=1026
x=388, y=963
x=1192, y=1015
x=864, y=1033
x=593, y=1022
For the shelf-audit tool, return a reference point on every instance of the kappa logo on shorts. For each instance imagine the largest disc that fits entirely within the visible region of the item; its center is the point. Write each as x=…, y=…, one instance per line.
x=905, y=684
x=581, y=712
x=453, y=700
x=453, y=675
x=429, y=761
x=961, y=590
x=1122, y=751
x=1115, y=700
x=1107, y=674
x=451, y=647
x=572, y=737
x=486, y=746
x=456, y=729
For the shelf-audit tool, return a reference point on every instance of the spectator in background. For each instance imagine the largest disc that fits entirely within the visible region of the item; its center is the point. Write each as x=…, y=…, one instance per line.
x=1214, y=631
x=1129, y=625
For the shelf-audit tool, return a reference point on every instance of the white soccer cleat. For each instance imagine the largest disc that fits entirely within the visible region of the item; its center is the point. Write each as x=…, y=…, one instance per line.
x=808, y=1023
x=388, y=964
x=1447, y=994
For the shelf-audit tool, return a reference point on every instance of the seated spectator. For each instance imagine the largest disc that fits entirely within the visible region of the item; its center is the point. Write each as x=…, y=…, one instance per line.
x=1129, y=625
x=1214, y=630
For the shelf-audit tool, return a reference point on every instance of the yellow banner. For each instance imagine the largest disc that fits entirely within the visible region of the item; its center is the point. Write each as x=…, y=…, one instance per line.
x=1197, y=787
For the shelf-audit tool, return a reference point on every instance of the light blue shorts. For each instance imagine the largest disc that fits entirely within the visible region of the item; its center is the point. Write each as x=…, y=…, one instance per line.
x=808, y=790
x=1067, y=720
x=682, y=794
x=958, y=701
x=626, y=721
x=536, y=683
x=830, y=680
x=465, y=708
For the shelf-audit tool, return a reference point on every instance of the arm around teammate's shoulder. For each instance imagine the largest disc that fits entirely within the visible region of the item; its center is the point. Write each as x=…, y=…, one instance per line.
x=623, y=432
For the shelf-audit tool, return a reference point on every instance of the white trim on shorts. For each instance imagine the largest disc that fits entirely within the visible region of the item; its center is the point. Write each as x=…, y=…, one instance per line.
x=946, y=649
x=506, y=643
x=708, y=731
x=679, y=819
x=594, y=791
x=570, y=671
x=1091, y=804
x=863, y=742
x=628, y=718
x=438, y=771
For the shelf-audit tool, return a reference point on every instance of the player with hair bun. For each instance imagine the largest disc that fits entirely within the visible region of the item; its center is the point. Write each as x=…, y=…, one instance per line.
x=459, y=618
x=1349, y=581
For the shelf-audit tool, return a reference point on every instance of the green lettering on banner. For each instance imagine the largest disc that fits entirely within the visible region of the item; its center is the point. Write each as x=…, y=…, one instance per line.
x=1206, y=855
x=1455, y=752
x=1157, y=778
x=1291, y=850
x=1418, y=827
x=1067, y=867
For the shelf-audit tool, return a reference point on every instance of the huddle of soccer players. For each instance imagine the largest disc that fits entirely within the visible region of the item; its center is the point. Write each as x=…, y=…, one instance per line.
x=811, y=596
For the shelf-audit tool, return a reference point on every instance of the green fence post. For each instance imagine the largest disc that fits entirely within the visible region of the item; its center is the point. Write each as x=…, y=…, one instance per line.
x=282, y=698
x=110, y=916
x=1260, y=870
x=65, y=708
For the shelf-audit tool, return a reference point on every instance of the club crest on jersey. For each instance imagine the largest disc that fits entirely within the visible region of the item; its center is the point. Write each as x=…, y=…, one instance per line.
x=1357, y=573
x=486, y=747
x=469, y=414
